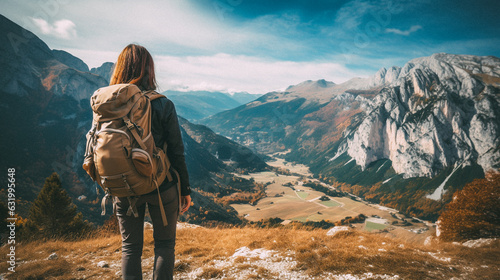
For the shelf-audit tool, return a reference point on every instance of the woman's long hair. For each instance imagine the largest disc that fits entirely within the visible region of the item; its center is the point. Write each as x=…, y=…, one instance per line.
x=135, y=66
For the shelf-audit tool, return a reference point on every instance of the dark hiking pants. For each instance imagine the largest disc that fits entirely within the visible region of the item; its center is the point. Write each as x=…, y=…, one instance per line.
x=132, y=231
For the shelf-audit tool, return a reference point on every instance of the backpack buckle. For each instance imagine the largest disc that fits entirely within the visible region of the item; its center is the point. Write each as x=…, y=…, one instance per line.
x=130, y=125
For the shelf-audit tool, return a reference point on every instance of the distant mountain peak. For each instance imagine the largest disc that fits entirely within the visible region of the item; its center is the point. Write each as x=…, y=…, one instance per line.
x=70, y=60
x=311, y=85
x=105, y=70
x=17, y=41
x=445, y=64
x=385, y=76
x=323, y=83
x=29, y=65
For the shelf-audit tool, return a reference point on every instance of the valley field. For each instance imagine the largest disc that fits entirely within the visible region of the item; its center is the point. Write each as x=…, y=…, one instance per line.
x=289, y=199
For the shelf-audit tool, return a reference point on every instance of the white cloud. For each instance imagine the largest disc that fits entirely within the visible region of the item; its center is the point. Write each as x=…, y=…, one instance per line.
x=350, y=15
x=170, y=27
x=401, y=32
x=174, y=27
x=194, y=48
x=64, y=28
x=229, y=73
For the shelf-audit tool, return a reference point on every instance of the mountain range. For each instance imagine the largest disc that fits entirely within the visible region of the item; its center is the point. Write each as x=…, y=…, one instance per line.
x=196, y=105
x=46, y=103
x=407, y=136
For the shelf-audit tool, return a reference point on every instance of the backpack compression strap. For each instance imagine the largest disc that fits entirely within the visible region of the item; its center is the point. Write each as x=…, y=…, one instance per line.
x=162, y=209
x=133, y=129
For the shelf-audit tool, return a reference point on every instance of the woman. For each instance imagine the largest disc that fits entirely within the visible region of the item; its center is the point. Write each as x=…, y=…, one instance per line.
x=135, y=65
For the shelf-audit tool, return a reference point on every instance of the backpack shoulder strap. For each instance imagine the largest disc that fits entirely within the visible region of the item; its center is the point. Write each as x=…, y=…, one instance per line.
x=152, y=95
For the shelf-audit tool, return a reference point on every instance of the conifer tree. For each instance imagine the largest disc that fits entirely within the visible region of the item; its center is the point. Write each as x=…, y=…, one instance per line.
x=52, y=214
x=474, y=212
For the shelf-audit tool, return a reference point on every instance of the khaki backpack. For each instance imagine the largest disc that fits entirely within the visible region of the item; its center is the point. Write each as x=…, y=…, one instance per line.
x=121, y=155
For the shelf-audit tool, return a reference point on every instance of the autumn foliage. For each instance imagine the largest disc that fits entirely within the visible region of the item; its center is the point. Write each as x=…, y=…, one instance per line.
x=474, y=212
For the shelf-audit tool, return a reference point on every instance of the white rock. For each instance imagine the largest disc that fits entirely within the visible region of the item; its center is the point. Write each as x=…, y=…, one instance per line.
x=392, y=74
x=53, y=256
x=187, y=225
x=428, y=241
x=478, y=242
x=257, y=253
x=148, y=225
x=102, y=264
x=336, y=230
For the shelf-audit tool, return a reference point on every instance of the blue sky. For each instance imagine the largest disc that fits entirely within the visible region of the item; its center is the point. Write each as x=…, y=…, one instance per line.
x=260, y=46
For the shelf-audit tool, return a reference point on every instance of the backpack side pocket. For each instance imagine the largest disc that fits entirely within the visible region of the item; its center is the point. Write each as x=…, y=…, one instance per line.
x=89, y=166
x=142, y=162
x=88, y=161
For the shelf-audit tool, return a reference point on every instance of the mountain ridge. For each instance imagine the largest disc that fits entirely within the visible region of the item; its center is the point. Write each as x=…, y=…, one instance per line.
x=436, y=118
x=420, y=78
x=196, y=105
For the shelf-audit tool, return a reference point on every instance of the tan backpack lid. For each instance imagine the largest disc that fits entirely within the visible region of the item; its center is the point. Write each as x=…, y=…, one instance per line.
x=114, y=101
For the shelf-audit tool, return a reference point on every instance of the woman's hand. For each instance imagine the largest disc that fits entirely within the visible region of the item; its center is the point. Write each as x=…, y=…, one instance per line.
x=185, y=203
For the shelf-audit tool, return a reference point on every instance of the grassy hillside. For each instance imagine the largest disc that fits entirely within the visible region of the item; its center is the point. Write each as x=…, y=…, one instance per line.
x=276, y=253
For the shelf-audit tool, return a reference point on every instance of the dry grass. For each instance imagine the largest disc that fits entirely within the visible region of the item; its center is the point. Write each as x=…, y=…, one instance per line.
x=76, y=260
x=207, y=253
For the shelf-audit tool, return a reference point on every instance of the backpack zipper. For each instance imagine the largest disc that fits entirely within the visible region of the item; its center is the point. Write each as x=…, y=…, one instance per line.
x=143, y=152
x=114, y=130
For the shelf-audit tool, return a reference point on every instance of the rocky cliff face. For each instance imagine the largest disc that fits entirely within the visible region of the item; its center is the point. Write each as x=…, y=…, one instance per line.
x=439, y=111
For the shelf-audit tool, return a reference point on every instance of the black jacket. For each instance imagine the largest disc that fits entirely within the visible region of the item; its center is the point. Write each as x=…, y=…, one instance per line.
x=165, y=127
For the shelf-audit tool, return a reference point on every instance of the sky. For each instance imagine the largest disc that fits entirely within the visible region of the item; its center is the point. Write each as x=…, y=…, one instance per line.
x=259, y=46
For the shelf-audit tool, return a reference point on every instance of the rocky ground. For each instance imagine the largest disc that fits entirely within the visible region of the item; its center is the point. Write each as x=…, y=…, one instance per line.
x=251, y=253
